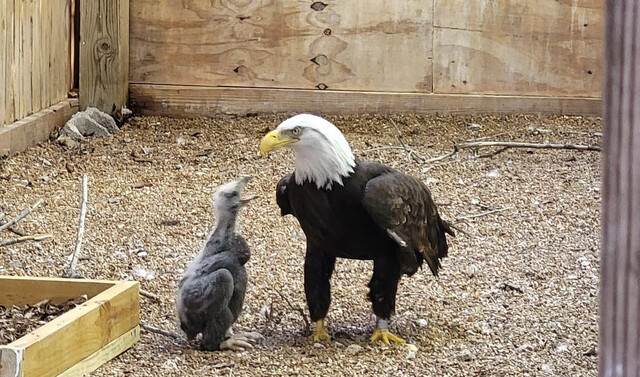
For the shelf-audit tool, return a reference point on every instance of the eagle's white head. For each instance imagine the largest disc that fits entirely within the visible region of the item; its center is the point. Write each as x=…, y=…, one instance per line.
x=323, y=155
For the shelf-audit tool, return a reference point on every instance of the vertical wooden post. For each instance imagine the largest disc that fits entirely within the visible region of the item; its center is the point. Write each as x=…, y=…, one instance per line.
x=104, y=54
x=620, y=290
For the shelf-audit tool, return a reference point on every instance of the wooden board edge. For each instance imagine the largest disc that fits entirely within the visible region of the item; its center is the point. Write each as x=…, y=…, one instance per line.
x=21, y=290
x=106, y=353
x=61, y=329
x=36, y=128
x=11, y=361
x=197, y=101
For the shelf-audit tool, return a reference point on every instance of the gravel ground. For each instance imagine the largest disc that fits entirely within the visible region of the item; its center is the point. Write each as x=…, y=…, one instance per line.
x=517, y=296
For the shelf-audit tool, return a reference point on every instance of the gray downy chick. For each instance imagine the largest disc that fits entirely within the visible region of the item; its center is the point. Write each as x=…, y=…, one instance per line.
x=211, y=294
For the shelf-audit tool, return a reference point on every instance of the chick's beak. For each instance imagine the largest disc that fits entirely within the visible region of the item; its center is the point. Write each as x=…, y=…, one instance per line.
x=274, y=140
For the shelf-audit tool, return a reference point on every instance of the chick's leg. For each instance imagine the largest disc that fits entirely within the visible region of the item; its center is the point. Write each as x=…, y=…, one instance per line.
x=318, y=268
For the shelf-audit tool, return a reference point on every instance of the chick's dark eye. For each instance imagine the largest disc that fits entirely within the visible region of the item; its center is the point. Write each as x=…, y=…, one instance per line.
x=231, y=195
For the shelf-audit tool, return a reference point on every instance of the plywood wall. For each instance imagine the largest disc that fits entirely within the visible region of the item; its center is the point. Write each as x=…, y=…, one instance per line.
x=35, y=61
x=535, y=47
x=375, y=45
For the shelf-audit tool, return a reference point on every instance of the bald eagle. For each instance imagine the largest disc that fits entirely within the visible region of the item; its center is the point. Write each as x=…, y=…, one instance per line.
x=354, y=209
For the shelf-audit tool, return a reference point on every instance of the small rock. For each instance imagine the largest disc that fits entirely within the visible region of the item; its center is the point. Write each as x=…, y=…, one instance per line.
x=180, y=140
x=177, y=166
x=318, y=345
x=430, y=180
x=143, y=273
x=546, y=368
x=338, y=344
x=142, y=254
x=493, y=173
x=354, y=349
x=465, y=355
x=411, y=355
x=91, y=122
x=474, y=126
x=471, y=270
x=422, y=322
x=412, y=347
x=562, y=347
x=591, y=352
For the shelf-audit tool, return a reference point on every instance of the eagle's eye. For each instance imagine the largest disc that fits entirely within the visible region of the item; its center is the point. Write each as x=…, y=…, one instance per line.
x=296, y=131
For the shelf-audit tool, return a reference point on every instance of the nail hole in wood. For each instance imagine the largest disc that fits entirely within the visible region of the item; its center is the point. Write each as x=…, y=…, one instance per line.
x=327, y=31
x=240, y=70
x=321, y=86
x=318, y=6
x=320, y=60
x=464, y=82
x=242, y=18
x=589, y=72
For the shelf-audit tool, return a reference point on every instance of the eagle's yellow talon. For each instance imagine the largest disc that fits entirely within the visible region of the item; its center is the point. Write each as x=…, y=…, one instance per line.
x=385, y=336
x=320, y=333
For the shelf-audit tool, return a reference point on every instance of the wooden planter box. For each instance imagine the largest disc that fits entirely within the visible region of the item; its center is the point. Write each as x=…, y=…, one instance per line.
x=78, y=341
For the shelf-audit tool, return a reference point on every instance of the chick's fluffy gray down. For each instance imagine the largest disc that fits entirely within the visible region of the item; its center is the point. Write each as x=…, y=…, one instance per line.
x=211, y=294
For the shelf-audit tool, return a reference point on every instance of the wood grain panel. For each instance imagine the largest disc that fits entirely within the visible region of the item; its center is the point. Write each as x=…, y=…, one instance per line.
x=542, y=47
x=4, y=20
x=619, y=341
x=35, y=62
x=191, y=101
x=104, y=54
x=378, y=45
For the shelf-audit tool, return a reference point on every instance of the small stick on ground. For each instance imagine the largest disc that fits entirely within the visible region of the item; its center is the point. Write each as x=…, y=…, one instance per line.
x=37, y=237
x=412, y=154
x=156, y=330
x=21, y=216
x=510, y=144
x=298, y=309
x=148, y=294
x=516, y=144
x=469, y=217
x=71, y=271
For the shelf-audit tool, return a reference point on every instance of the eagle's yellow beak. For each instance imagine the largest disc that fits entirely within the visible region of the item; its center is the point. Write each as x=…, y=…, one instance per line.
x=274, y=140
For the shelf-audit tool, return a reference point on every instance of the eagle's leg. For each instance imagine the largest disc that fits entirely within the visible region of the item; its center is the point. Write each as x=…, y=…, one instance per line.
x=318, y=268
x=382, y=292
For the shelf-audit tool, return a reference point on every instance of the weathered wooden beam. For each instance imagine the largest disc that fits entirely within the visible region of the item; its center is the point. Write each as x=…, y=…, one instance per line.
x=620, y=285
x=36, y=128
x=194, y=101
x=20, y=290
x=82, y=339
x=104, y=54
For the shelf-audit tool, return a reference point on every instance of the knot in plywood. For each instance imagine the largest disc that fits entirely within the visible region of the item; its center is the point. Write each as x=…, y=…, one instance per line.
x=318, y=6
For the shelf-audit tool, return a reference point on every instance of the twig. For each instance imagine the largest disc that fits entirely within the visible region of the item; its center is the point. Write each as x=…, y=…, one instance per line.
x=412, y=154
x=156, y=330
x=37, y=237
x=71, y=271
x=469, y=217
x=444, y=156
x=21, y=216
x=460, y=230
x=386, y=147
x=510, y=144
x=148, y=294
x=298, y=309
x=515, y=144
x=494, y=153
